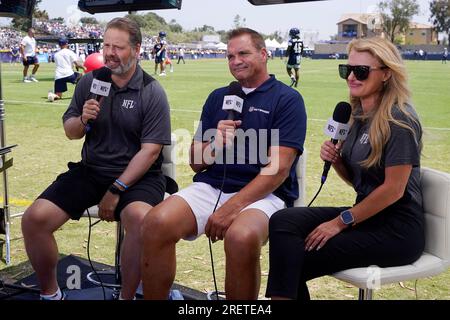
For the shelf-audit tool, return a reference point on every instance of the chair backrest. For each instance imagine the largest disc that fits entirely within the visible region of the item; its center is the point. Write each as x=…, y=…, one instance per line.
x=301, y=178
x=169, y=163
x=435, y=187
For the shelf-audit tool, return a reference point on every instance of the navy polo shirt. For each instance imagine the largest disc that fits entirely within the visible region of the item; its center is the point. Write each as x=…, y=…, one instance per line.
x=273, y=114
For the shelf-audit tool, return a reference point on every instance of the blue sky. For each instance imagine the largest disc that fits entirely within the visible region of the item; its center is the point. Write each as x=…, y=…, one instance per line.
x=316, y=16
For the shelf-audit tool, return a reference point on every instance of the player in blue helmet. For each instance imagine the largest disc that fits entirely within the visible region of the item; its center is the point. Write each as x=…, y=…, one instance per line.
x=294, y=32
x=294, y=54
x=159, y=51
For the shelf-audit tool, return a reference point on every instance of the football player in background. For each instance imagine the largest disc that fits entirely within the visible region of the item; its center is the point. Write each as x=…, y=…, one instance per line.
x=294, y=55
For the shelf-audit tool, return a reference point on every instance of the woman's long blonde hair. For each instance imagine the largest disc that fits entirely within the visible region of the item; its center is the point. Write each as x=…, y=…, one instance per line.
x=395, y=92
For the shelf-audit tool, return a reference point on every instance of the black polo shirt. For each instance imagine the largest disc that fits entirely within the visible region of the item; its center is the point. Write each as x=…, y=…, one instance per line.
x=128, y=117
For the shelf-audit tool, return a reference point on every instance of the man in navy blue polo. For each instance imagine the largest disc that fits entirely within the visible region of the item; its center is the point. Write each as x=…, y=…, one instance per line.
x=245, y=171
x=159, y=51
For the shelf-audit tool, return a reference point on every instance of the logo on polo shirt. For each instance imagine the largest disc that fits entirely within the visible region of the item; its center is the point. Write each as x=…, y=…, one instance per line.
x=128, y=104
x=364, y=139
x=254, y=109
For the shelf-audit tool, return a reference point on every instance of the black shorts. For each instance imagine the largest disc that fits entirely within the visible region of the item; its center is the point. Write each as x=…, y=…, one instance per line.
x=30, y=60
x=61, y=84
x=81, y=187
x=160, y=58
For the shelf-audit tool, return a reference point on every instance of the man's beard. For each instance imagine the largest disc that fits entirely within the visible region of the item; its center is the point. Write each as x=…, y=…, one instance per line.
x=124, y=68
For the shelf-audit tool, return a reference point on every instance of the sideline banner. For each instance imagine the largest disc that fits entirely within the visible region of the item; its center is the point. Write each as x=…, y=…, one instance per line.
x=6, y=56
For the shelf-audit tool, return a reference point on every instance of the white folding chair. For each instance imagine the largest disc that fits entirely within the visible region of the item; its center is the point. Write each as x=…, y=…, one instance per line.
x=301, y=178
x=435, y=259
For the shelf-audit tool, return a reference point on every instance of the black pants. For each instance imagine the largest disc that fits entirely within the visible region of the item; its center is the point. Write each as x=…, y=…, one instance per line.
x=382, y=240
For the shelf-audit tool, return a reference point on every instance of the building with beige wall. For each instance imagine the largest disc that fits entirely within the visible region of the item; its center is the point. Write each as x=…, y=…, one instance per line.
x=356, y=25
x=419, y=33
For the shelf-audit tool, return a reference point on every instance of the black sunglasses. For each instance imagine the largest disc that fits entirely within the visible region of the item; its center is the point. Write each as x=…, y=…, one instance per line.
x=361, y=72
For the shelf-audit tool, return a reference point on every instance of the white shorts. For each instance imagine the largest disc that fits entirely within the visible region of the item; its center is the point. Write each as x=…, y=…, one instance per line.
x=295, y=66
x=202, y=198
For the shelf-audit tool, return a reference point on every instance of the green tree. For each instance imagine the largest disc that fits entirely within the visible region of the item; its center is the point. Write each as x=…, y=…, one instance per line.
x=175, y=27
x=238, y=21
x=58, y=19
x=139, y=19
x=24, y=23
x=277, y=35
x=205, y=28
x=223, y=35
x=396, y=16
x=155, y=22
x=88, y=20
x=440, y=16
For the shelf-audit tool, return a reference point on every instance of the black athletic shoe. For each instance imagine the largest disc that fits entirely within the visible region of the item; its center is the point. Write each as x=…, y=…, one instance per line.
x=292, y=82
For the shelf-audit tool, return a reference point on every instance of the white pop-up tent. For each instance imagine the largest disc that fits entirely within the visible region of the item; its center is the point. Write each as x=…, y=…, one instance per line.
x=221, y=46
x=272, y=44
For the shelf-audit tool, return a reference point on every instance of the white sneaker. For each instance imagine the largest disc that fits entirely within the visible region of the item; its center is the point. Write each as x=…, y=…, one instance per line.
x=162, y=74
x=32, y=78
x=54, y=297
x=52, y=96
x=26, y=80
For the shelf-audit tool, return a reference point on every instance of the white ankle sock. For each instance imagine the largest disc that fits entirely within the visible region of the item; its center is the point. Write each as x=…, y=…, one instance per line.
x=120, y=297
x=55, y=296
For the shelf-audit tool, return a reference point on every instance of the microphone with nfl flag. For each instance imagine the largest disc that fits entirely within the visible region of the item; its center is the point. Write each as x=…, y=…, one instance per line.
x=100, y=87
x=337, y=128
x=101, y=84
x=234, y=101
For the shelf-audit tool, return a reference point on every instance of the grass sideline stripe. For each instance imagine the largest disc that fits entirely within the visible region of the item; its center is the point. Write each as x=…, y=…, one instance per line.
x=188, y=110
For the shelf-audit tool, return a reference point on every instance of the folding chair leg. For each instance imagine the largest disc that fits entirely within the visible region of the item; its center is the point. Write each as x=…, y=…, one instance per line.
x=5, y=220
x=119, y=238
x=365, y=294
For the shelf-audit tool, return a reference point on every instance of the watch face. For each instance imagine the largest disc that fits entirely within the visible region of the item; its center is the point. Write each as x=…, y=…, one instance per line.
x=347, y=217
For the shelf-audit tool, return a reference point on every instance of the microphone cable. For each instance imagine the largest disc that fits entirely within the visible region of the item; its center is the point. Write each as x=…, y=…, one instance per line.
x=317, y=193
x=90, y=228
x=89, y=253
x=341, y=115
x=209, y=239
x=234, y=89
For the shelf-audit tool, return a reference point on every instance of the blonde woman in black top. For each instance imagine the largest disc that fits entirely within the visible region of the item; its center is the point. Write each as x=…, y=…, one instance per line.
x=380, y=159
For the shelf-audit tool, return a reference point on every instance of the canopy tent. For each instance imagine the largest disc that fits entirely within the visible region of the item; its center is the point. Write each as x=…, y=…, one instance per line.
x=221, y=46
x=272, y=44
x=284, y=44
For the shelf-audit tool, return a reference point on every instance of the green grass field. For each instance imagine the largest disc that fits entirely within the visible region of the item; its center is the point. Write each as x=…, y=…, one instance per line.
x=35, y=125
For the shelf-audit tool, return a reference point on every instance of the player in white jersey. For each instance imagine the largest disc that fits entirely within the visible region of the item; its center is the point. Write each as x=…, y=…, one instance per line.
x=65, y=60
x=28, y=52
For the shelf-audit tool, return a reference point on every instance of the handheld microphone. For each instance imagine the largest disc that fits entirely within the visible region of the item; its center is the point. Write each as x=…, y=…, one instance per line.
x=234, y=101
x=100, y=87
x=337, y=128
